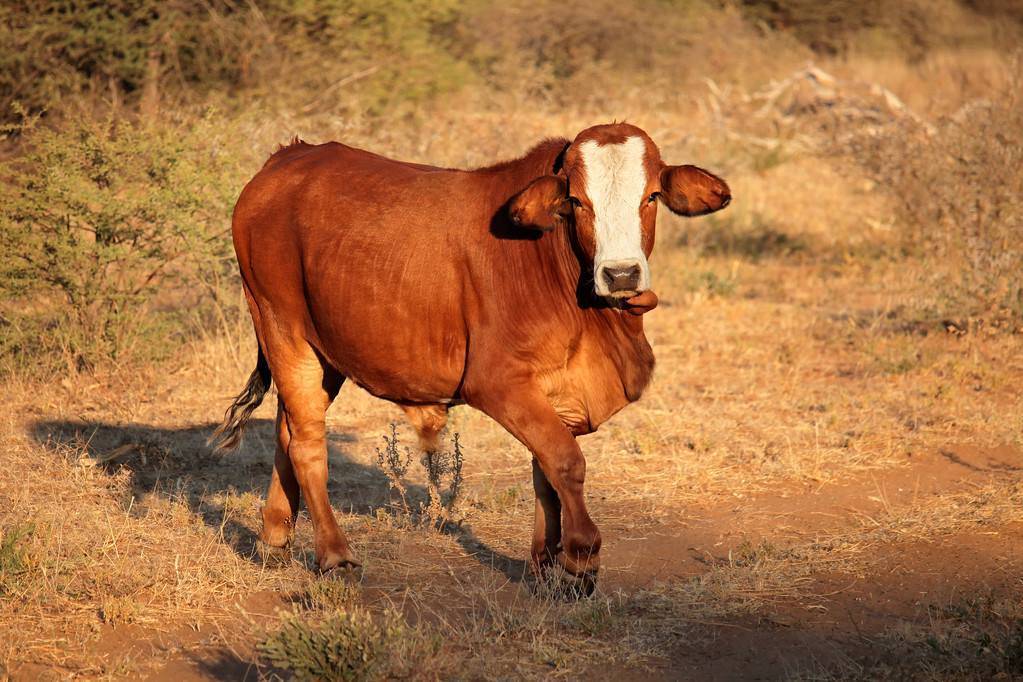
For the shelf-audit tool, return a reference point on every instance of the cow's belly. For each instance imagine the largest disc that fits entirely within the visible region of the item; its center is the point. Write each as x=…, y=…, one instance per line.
x=401, y=373
x=401, y=343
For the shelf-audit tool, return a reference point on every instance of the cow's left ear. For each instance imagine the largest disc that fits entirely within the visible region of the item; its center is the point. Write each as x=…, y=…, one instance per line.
x=691, y=191
x=543, y=205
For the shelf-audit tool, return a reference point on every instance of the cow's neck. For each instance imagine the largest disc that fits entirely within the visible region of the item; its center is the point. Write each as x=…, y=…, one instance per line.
x=564, y=286
x=619, y=333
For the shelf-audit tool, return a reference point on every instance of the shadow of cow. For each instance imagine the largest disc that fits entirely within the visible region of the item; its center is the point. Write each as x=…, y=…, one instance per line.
x=177, y=462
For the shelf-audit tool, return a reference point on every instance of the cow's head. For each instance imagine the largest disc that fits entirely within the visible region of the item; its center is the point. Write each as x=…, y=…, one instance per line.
x=607, y=187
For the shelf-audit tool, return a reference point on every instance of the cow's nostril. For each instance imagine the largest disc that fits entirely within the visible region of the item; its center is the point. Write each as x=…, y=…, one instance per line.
x=622, y=278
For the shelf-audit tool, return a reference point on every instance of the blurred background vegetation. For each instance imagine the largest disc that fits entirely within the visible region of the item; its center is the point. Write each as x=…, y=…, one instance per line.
x=130, y=128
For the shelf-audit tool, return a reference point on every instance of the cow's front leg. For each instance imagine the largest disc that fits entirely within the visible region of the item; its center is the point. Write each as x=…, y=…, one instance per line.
x=526, y=413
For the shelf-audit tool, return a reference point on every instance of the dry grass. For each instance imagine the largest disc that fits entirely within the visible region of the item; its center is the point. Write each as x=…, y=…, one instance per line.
x=793, y=358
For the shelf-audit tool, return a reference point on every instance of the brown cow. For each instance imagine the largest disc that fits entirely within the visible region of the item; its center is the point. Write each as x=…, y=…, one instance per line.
x=516, y=288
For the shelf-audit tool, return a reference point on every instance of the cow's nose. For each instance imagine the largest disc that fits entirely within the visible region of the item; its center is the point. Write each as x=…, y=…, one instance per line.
x=621, y=278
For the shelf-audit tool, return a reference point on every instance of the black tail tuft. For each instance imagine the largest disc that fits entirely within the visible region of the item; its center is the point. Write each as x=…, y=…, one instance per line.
x=229, y=434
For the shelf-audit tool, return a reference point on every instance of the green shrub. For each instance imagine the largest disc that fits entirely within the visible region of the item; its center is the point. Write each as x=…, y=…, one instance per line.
x=909, y=27
x=385, y=55
x=124, y=49
x=349, y=57
x=347, y=645
x=58, y=47
x=109, y=230
x=744, y=234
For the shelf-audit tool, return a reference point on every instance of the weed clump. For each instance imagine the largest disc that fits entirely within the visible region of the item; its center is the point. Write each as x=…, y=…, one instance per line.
x=440, y=465
x=394, y=461
x=443, y=476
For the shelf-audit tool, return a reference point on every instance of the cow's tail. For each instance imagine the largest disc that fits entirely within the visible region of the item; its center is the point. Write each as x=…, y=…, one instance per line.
x=229, y=433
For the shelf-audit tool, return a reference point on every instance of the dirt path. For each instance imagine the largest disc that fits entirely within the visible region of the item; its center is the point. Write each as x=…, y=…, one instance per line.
x=842, y=617
x=684, y=547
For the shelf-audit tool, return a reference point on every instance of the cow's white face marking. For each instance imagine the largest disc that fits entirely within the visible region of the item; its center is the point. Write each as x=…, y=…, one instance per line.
x=615, y=184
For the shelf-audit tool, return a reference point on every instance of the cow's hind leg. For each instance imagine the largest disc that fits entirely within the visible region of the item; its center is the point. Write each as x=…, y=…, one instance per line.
x=546, y=522
x=306, y=386
x=281, y=508
x=282, y=498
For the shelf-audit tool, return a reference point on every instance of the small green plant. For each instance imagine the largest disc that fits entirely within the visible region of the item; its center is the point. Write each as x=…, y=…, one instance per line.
x=748, y=235
x=13, y=555
x=348, y=645
x=981, y=639
x=711, y=283
x=597, y=616
x=119, y=610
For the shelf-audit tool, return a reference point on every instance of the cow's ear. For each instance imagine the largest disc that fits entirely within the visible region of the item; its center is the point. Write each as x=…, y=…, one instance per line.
x=543, y=205
x=690, y=191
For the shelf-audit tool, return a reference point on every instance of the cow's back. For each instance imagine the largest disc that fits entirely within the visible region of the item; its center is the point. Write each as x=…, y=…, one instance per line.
x=362, y=255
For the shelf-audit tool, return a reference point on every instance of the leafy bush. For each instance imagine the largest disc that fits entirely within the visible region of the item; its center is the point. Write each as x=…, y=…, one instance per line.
x=745, y=234
x=566, y=51
x=102, y=220
x=134, y=49
x=353, y=57
x=58, y=47
x=911, y=27
x=407, y=47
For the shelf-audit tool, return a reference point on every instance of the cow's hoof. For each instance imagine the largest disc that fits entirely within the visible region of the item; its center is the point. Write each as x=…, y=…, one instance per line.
x=578, y=585
x=274, y=556
x=579, y=565
x=341, y=563
x=553, y=581
x=579, y=574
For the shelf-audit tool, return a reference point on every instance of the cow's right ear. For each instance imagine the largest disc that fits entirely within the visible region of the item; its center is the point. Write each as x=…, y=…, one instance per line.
x=543, y=205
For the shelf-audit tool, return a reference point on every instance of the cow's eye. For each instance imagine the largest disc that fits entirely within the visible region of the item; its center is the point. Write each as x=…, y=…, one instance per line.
x=653, y=197
x=575, y=202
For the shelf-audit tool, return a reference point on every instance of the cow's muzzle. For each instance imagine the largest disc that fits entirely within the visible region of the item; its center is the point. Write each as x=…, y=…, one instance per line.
x=620, y=279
